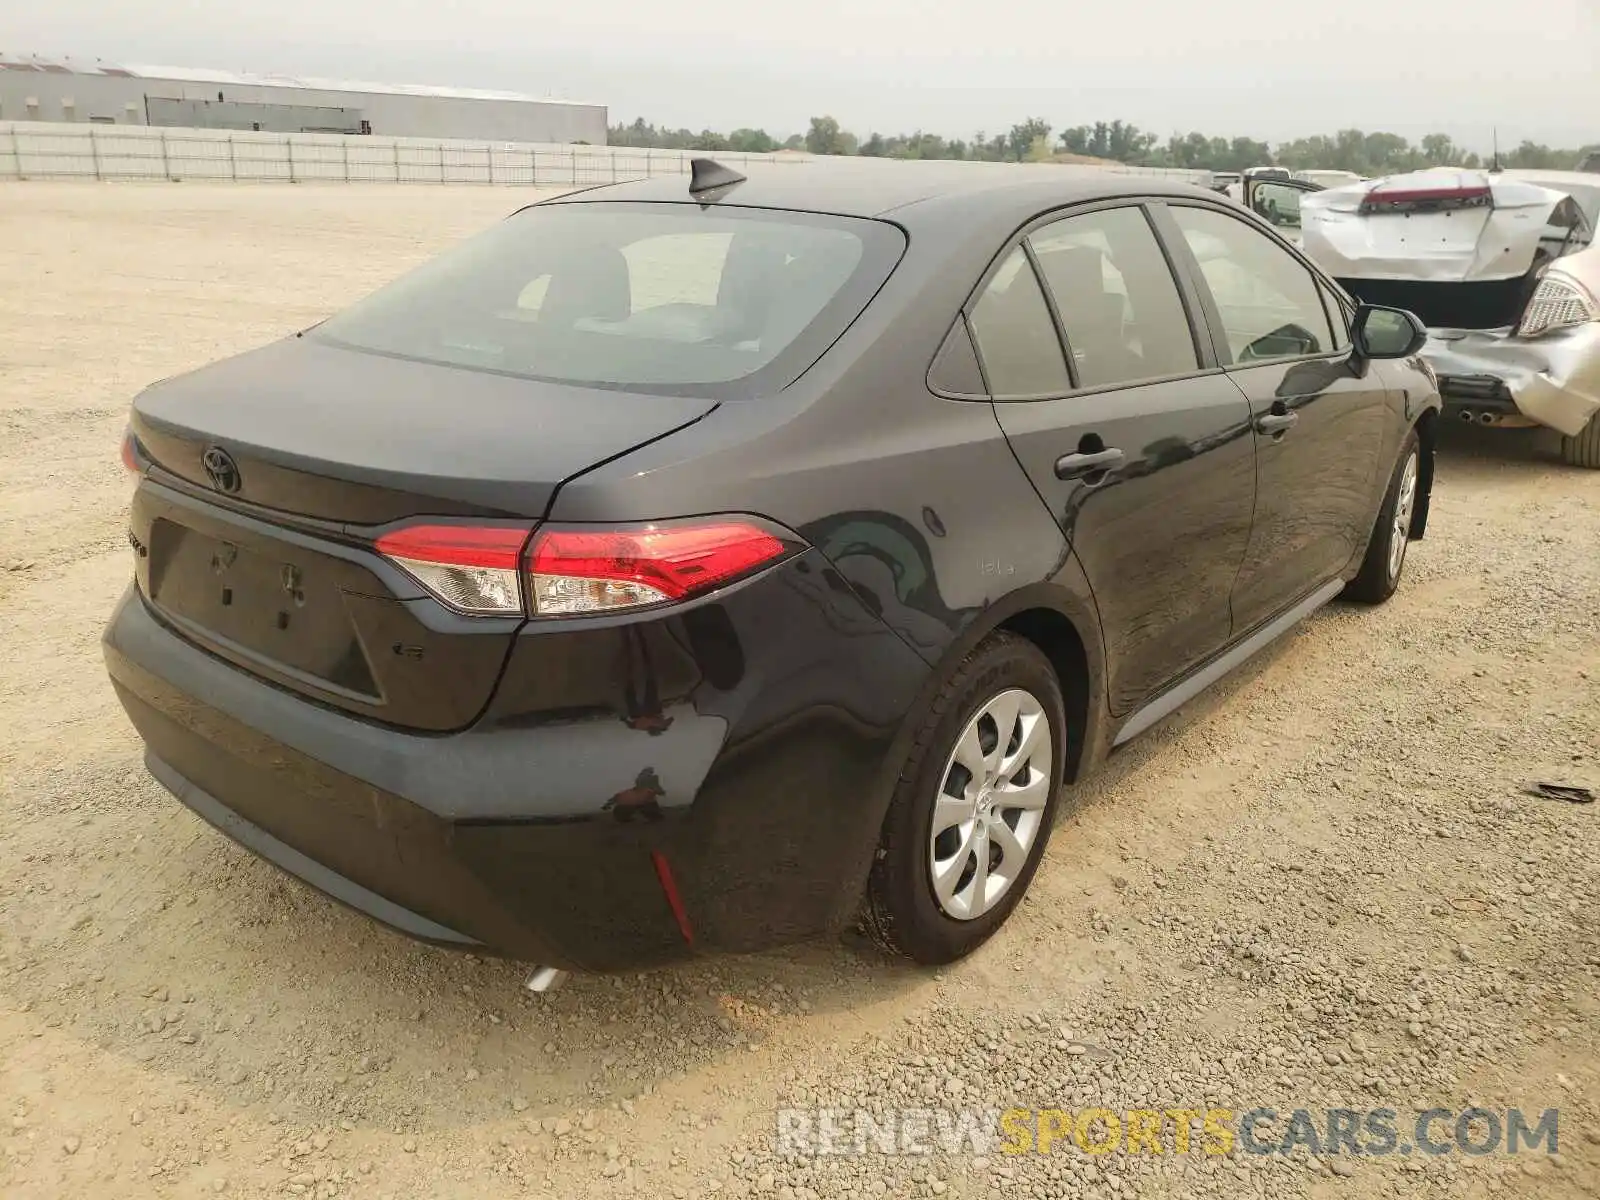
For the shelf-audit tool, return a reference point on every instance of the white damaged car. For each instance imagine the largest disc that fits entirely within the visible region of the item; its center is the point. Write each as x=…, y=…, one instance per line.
x=1503, y=267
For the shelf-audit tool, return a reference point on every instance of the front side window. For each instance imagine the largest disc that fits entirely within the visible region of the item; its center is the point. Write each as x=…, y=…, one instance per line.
x=1268, y=301
x=1016, y=337
x=1116, y=296
x=649, y=297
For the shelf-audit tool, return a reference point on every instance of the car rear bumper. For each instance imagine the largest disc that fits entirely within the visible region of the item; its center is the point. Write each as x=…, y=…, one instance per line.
x=529, y=835
x=1553, y=380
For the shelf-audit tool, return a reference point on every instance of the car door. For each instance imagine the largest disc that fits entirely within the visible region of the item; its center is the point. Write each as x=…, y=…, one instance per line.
x=1277, y=201
x=1137, y=442
x=1319, y=416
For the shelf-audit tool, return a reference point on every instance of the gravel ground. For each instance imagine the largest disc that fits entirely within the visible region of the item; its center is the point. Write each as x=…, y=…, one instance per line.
x=1321, y=886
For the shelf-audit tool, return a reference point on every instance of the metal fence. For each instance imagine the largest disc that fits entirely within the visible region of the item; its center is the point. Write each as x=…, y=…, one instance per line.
x=40, y=150
x=44, y=150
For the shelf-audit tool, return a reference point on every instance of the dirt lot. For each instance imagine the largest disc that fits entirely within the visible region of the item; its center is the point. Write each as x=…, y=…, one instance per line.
x=1321, y=886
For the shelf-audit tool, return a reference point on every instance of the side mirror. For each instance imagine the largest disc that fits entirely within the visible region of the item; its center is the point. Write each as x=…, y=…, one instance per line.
x=1380, y=332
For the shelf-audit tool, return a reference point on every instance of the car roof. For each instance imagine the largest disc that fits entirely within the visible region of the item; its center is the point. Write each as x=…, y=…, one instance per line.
x=1587, y=179
x=910, y=191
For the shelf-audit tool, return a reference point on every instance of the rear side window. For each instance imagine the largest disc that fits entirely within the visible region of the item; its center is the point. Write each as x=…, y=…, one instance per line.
x=1118, y=301
x=1016, y=337
x=1269, y=302
x=649, y=297
x=955, y=370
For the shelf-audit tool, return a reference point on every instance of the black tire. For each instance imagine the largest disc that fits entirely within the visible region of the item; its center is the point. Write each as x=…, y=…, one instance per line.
x=1379, y=577
x=902, y=912
x=1584, y=449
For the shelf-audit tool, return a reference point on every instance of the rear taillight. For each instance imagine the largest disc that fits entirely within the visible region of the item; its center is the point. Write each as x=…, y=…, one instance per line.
x=576, y=570
x=1434, y=199
x=470, y=568
x=130, y=452
x=1557, y=303
x=580, y=570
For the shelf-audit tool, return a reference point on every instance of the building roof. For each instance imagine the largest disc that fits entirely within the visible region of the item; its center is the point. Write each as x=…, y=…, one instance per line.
x=70, y=66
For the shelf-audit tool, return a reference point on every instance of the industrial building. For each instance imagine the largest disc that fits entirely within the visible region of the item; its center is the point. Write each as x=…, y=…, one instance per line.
x=36, y=89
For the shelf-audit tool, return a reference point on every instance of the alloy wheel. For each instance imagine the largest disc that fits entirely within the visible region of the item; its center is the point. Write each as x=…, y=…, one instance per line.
x=1404, y=503
x=990, y=805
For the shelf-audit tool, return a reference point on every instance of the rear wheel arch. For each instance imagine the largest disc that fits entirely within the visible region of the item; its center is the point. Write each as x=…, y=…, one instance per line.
x=1427, y=430
x=1054, y=633
x=1064, y=624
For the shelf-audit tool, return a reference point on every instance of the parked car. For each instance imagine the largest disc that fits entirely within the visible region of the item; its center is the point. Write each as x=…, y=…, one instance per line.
x=1503, y=267
x=1226, y=182
x=669, y=569
x=1328, y=178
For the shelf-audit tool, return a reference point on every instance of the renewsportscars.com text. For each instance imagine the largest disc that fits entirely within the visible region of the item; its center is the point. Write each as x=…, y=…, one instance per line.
x=1375, y=1132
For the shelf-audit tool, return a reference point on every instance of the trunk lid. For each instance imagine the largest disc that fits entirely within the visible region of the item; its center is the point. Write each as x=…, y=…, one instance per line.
x=359, y=438
x=264, y=555
x=1458, y=248
x=1461, y=249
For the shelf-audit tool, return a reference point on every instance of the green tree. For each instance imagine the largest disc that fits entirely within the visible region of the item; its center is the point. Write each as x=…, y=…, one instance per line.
x=1022, y=137
x=752, y=141
x=1440, y=150
x=1533, y=155
x=1367, y=153
x=1244, y=153
x=1076, y=139
x=825, y=137
x=989, y=149
x=1120, y=141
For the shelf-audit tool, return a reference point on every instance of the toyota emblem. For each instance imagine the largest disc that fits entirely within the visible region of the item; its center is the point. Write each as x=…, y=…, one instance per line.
x=221, y=469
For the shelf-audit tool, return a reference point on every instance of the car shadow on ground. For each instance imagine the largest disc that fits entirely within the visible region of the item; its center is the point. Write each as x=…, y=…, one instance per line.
x=1460, y=443
x=207, y=966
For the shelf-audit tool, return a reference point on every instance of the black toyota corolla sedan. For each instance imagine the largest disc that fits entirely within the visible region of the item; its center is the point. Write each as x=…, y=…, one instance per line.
x=691, y=565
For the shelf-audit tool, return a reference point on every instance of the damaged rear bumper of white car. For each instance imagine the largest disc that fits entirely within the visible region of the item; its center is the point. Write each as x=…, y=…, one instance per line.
x=1493, y=376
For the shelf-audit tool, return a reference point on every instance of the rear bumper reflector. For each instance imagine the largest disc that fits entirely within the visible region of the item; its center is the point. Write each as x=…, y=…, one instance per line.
x=669, y=887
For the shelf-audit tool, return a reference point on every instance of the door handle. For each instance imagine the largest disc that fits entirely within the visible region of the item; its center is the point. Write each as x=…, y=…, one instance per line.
x=1276, y=422
x=1076, y=466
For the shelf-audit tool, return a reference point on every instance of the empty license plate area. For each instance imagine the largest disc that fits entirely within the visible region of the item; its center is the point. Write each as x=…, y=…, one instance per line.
x=276, y=602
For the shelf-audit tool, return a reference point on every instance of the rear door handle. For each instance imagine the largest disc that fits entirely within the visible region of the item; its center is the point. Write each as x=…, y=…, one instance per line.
x=1276, y=422
x=1076, y=466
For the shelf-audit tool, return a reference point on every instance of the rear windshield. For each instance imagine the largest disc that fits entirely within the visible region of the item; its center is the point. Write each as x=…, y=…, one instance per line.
x=651, y=297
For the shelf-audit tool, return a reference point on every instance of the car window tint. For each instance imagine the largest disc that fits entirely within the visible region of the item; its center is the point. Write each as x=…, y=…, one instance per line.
x=1116, y=297
x=1016, y=337
x=646, y=297
x=1336, y=313
x=1268, y=301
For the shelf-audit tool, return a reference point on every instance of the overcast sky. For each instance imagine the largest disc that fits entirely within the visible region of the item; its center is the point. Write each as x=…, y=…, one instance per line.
x=1274, y=69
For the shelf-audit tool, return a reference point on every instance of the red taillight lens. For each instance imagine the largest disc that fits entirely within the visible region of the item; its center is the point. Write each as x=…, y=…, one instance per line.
x=470, y=568
x=1439, y=199
x=574, y=571
x=130, y=452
